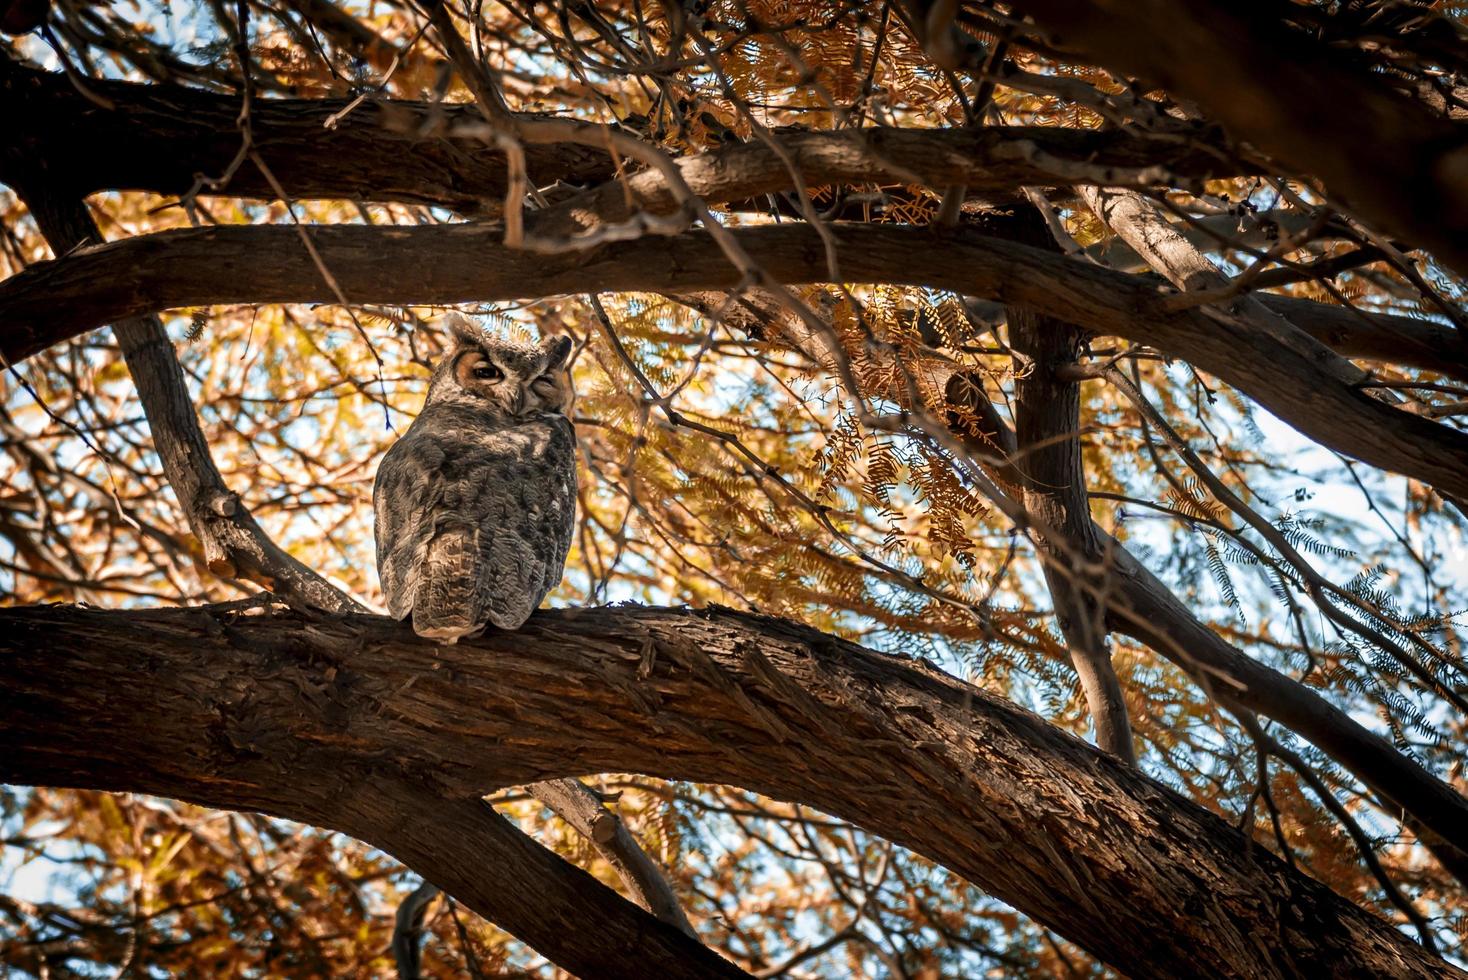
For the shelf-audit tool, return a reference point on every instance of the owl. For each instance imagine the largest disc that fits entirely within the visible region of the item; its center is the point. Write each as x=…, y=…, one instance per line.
x=476, y=503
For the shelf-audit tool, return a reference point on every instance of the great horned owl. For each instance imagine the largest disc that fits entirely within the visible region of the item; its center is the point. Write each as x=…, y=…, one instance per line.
x=476, y=503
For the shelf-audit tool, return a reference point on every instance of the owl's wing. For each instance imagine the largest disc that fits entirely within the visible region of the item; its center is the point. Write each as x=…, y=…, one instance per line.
x=528, y=505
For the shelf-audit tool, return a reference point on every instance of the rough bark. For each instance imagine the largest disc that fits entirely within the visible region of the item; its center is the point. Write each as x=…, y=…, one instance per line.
x=235, y=545
x=161, y=137
x=482, y=859
x=1048, y=455
x=348, y=722
x=1293, y=97
x=264, y=264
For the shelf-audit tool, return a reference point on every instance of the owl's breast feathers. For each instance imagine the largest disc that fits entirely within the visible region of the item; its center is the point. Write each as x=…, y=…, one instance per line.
x=474, y=518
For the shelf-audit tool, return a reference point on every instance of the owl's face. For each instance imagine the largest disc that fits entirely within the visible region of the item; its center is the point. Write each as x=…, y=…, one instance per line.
x=512, y=380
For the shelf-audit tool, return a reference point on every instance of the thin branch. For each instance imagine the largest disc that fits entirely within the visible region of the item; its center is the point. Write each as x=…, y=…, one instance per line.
x=581, y=807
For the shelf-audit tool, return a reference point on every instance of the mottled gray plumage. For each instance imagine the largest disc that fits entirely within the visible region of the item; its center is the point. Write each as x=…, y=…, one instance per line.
x=476, y=503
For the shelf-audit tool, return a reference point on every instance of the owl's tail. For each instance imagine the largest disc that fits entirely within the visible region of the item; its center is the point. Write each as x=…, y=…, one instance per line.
x=446, y=604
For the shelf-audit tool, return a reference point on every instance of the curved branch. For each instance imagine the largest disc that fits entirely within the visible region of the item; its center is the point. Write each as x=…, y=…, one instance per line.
x=1142, y=606
x=235, y=546
x=1048, y=455
x=328, y=719
x=159, y=137
x=482, y=859
x=267, y=264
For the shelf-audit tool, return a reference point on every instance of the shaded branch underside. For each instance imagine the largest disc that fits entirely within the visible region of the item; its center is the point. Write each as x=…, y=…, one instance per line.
x=1292, y=95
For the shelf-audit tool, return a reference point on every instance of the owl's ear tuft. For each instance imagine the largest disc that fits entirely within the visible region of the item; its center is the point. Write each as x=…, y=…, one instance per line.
x=557, y=350
x=464, y=331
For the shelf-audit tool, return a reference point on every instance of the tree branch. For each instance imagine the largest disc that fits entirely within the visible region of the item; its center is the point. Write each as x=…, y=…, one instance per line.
x=351, y=722
x=263, y=264
x=1140, y=605
x=234, y=545
x=160, y=136
x=1393, y=339
x=347, y=32
x=483, y=860
x=1142, y=226
x=1292, y=96
x=1047, y=415
x=581, y=807
x=983, y=160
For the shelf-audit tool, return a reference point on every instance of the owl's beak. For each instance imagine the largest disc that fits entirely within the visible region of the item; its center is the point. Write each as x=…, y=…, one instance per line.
x=518, y=407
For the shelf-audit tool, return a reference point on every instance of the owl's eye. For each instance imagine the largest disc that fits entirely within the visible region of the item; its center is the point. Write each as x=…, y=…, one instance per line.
x=487, y=372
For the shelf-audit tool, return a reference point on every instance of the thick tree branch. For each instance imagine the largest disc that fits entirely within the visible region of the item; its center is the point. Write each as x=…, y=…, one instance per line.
x=346, y=722
x=1292, y=96
x=408, y=151
x=1392, y=339
x=263, y=264
x=161, y=137
x=236, y=546
x=1140, y=605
